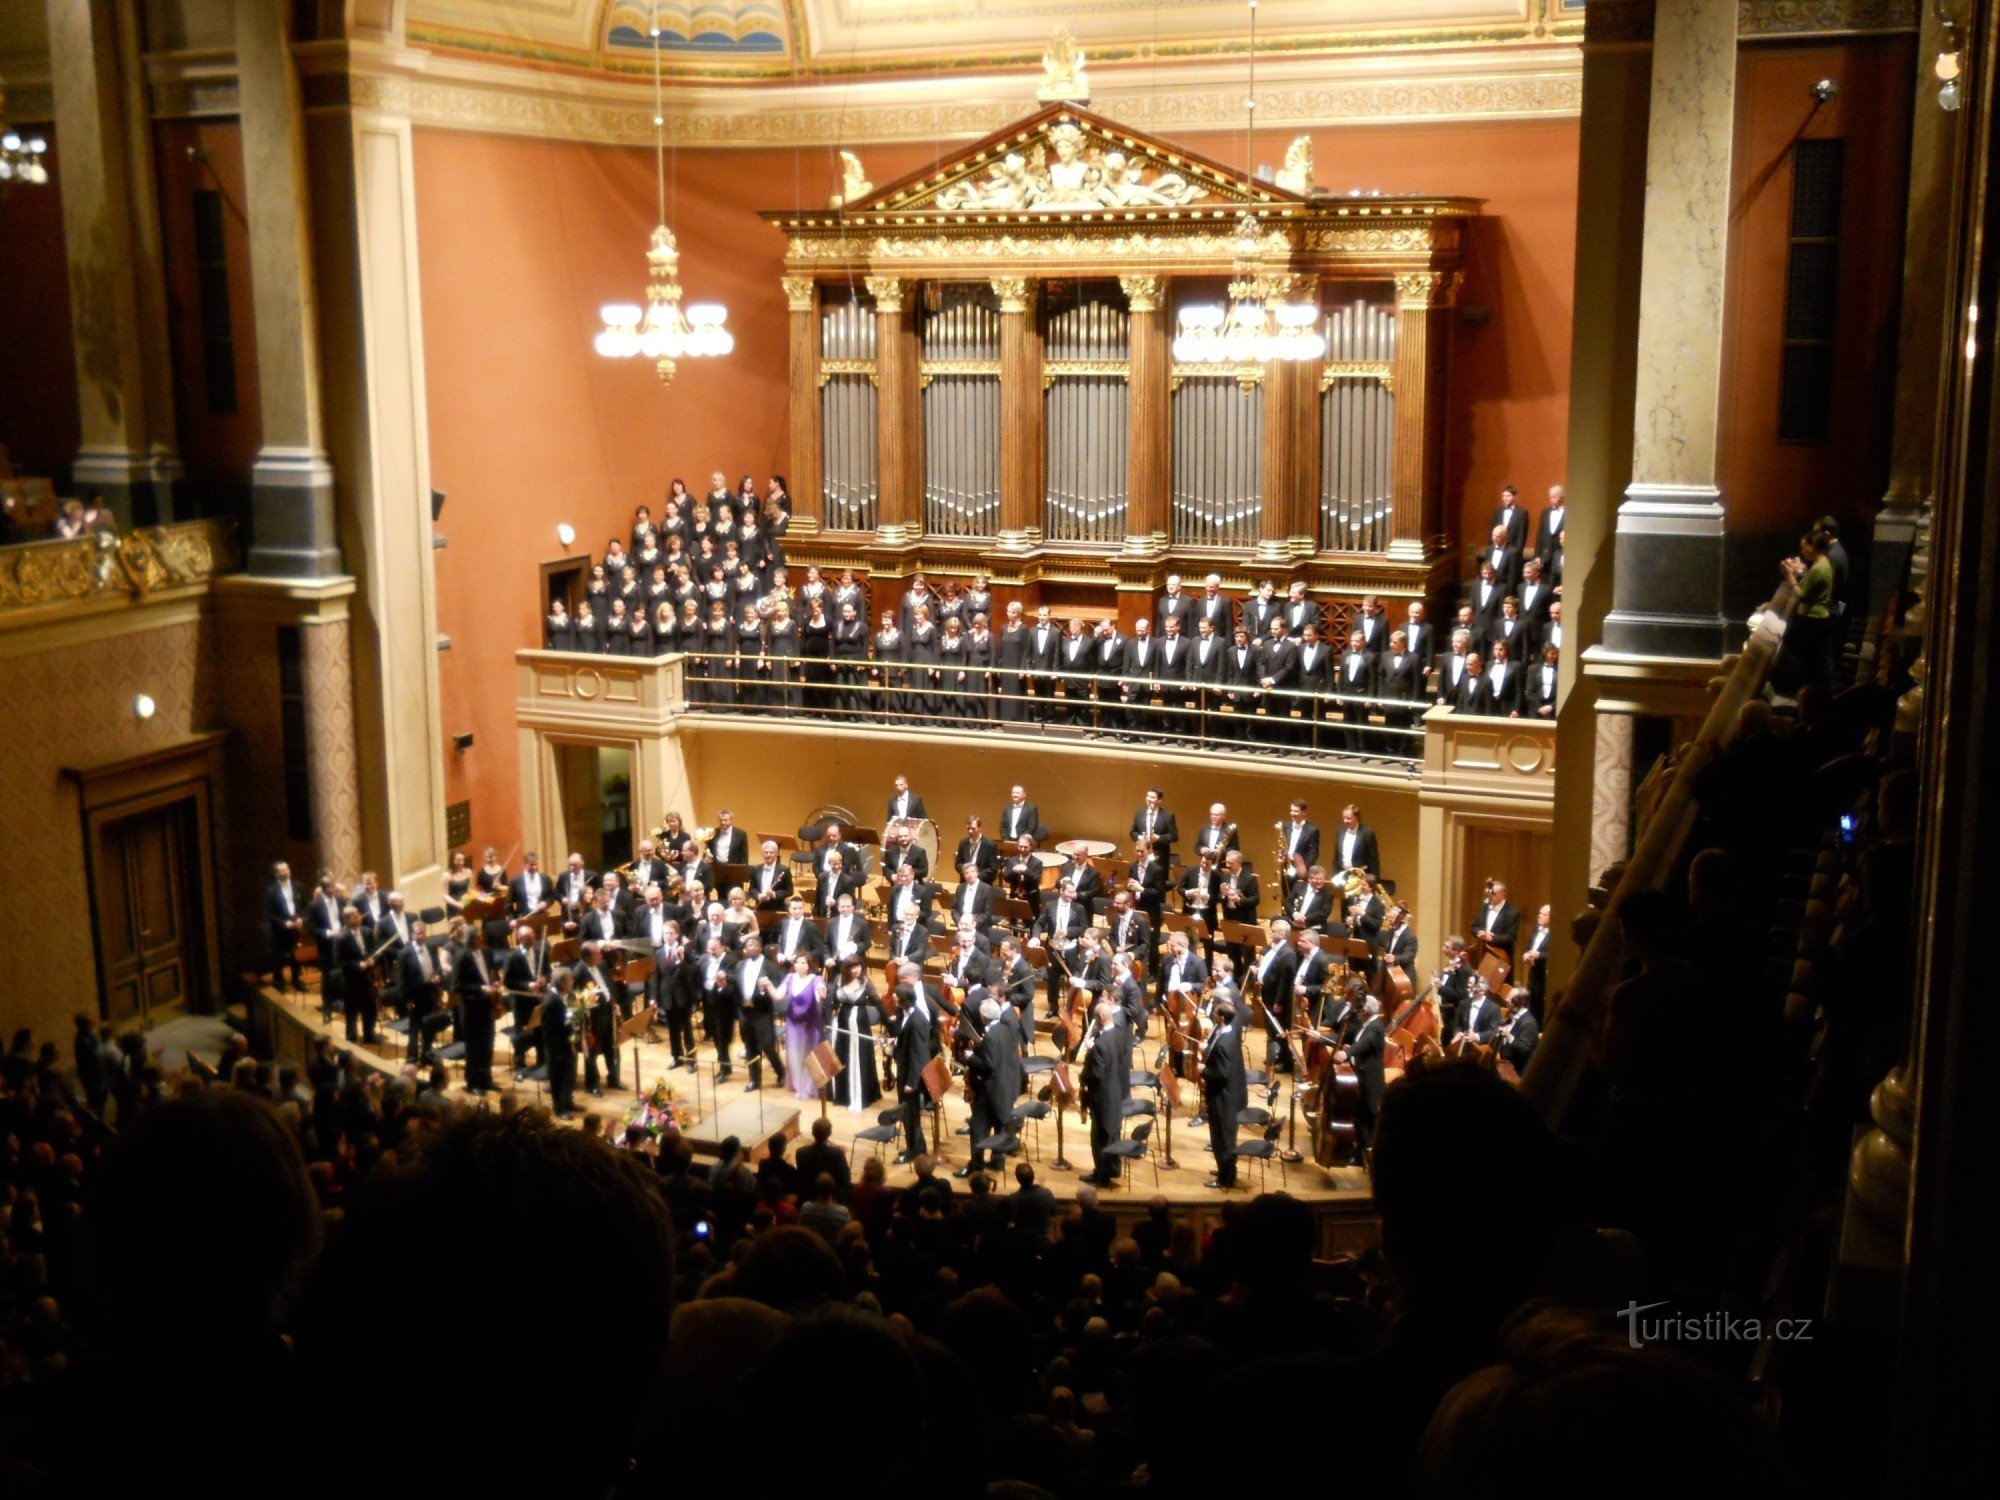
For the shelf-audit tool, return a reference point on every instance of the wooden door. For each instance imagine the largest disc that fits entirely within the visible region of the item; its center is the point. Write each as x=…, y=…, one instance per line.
x=147, y=919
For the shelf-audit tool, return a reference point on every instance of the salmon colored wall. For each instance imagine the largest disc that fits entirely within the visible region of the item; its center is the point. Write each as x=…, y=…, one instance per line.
x=1767, y=485
x=520, y=242
x=39, y=423
x=214, y=445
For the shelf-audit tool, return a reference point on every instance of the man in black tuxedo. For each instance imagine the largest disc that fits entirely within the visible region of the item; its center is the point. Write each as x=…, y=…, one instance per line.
x=1108, y=652
x=1278, y=675
x=1155, y=823
x=1142, y=670
x=1473, y=696
x=1214, y=607
x=1299, y=611
x=900, y=849
x=285, y=923
x=1478, y=1017
x=1503, y=683
x=1535, y=961
x=1017, y=983
x=770, y=886
x=1497, y=923
x=1174, y=604
x=1535, y=597
x=1275, y=970
x=1146, y=881
x=1399, y=941
x=1420, y=636
x=1260, y=609
x=647, y=868
x=1182, y=971
x=714, y=976
x=1127, y=929
x=973, y=899
x=1354, y=847
x=1218, y=835
x=326, y=919
x=573, y=886
x=600, y=923
x=1518, y=1036
x=833, y=841
x=558, y=1046
x=1353, y=685
x=909, y=940
x=1057, y=929
x=1170, y=672
x=1200, y=885
x=1540, y=685
x=1080, y=872
x=731, y=845
x=1489, y=592
x=910, y=899
x=1451, y=667
x=969, y=964
x=795, y=934
x=837, y=878
x=995, y=1076
x=420, y=979
x=914, y=1048
x=600, y=1036
x=1043, y=647
x=1549, y=535
x=1104, y=1083
x=1311, y=904
x=1225, y=1091
x=847, y=932
x=977, y=849
x=904, y=803
x=1510, y=518
x=477, y=982
x=1365, y=1055
x=1018, y=817
x=1300, y=839
x=526, y=973
x=1399, y=675
x=357, y=976
x=751, y=988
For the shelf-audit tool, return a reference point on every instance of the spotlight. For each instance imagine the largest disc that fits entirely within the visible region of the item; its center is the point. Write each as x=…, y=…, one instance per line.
x=566, y=534
x=1826, y=91
x=144, y=707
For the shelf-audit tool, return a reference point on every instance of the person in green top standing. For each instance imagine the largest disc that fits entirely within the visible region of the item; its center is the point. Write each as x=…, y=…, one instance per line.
x=1807, y=654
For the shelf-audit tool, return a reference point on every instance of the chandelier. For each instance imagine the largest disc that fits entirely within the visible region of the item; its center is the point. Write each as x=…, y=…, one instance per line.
x=661, y=331
x=21, y=155
x=1258, y=325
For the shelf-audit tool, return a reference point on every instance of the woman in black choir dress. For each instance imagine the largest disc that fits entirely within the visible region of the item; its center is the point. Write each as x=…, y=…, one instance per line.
x=583, y=628
x=615, y=559
x=954, y=659
x=659, y=587
x=814, y=586
x=618, y=631
x=888, y=673
x=629, y=591
x=753, y=662
x=718, y=644
x=850, y=657
x=642, y=526
x=714, y=588
x=705, y=557
x=675, y=560
x=639, y=633
x=694, y=670
x=782, y=637
x=979, y=599
x=856, y=1012
x=646, y=554
x=921, y=650
x=754, y=547
x=560, y=633
x=979, y=655
x=666, y=629
x=457, y=881
x=701, y=527
x=847, y=591
x=746, y=592
x=597, y=590
x=950, y=606
x=722, y=525
x=816, y=646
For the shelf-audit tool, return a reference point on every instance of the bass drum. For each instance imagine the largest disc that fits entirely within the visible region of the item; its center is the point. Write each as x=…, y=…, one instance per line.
x=927, y=840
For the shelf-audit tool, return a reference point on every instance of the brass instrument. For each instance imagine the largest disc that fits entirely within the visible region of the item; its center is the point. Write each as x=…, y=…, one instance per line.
x=702, y=839
x=1350, y=881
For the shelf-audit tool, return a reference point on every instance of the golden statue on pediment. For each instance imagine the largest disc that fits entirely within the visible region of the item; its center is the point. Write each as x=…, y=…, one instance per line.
x=1075, y=177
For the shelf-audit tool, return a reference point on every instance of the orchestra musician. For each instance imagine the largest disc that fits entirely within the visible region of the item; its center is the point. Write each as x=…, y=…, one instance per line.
x=915, y=1047
x=900, y=852
x=1021, y=876
x=1123, y=987
x=1181, y=971
x=1365, y=1054
x=1519, y=1032
x=1127, y=929
x=1355, y=846
x=422, y=976
x=1154, y=826
x=1081, y=873
x=731, y=845
x=1535, y=959
x=1277, y=970
x=526, y=974
x=1058, y=929
x=973, y=900
x=1364, y=913
x=1105, y=1083
x=1300, y=842
x=1224, y=1090
x=284, y=920
x=1020, y=817
x=558, y=1044
x=357, y=976
x=1146, y=880
x=1017, y=983
x=1497, y=923
x=847, y=934
x=795, y=934
x=756, y=989
x=1312, y=903
x=994, y=1072
x=977, y=849
x=606, y=1003
x=1218, y=834
x=715, y=971
x=905, y=804
x=770, y=882
x=328, y=917
x=477, y=983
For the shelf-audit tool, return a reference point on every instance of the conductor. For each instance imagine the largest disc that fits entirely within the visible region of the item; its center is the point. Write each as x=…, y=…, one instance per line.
x=996, y=1080
x=1107, y=1074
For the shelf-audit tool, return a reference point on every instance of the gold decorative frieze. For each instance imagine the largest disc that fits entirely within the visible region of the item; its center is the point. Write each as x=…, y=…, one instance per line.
x=828, y=368
x=1380, y=371
x=799, y=292
x=1246, y=375
x=1084, y=369
x=1824, y=17
x=108, y=565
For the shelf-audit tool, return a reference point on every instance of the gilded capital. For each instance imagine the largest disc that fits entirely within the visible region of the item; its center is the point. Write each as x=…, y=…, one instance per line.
x=1144, y=293
x=1016, y=293
x=798, y=293
x=887, y=292
x=1425, y=289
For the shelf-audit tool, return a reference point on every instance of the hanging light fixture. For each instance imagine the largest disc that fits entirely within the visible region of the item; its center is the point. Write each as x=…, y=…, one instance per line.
x=1258, y=326
x=661, y=331
x=21, y=155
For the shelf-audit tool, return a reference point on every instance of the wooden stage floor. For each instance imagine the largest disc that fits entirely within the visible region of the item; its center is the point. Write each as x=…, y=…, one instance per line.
x=729, y=1109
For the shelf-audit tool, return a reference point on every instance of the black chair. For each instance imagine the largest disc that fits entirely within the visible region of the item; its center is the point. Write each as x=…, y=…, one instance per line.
x=1002, y=1145
x=1133, y=1149
x=1133, y=1107
x=881, y=1135
x=1263, y=1151
x=1030, y=1112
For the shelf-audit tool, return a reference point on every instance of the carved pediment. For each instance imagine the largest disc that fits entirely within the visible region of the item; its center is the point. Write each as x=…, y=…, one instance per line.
x=1067, y=160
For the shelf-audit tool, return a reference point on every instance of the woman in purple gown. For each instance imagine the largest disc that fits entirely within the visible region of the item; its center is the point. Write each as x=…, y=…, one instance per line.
x=802, y=1026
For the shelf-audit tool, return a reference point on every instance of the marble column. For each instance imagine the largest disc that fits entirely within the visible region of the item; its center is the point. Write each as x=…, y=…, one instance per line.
x=332, y=758
x=899, y=426
x=291, y=483
x=122, y=456
x=1667, y=586
x=1920, y=342
x=1611, y=198
x=808, y=501
x=1424, y=301
x=363, y=220
x=1021, y=436
x=1149, y=464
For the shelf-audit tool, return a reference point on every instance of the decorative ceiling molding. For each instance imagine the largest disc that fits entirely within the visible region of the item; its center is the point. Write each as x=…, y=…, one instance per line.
x=461, y=94
x=1792, y=18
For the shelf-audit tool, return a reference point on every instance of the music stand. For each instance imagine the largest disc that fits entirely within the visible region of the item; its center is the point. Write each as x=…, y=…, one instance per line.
x=727, y=876
x=631, y=1030
x=1245, y=934
x=565, y=950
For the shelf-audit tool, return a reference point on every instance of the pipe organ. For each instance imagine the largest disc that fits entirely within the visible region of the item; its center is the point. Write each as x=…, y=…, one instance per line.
x=983, y=375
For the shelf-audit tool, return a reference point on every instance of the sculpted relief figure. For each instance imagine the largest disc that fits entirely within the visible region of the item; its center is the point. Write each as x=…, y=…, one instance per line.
x=1073, y=180
x=1122, y=184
